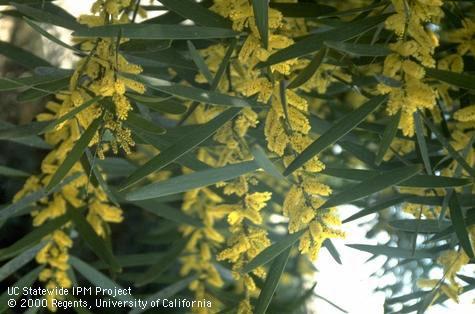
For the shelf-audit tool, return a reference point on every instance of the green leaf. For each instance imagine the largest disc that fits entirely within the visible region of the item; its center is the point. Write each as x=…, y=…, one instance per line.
x=199, y=61
x=29, y=81
x=452, y=152
x=53, y=38
x=95, y=242
x=42, y=90
x=265, y=163
x=272, y=280
x=358, y=50
x=309, y=70
x=328, y=244
x=418, y=181
x=98, y=279
x=271, y=252
x=421, y=142
x=156, y=31
x=21, y=56
x=15, y=208
x=461, y=80
x=191, y=181
x=372, y=185
x=26, y=281
x=224, y=65
x=166, y=105
x=181, y=146
x=198, y=94
x=69, y=115
x=21, y=131
x=167, y=292
x=394, y=252
x=376, y=208
x=33, y=237
x=420, y=226
x=336, y=132
x=197, y=13
x=390, y=132
x=10, y=172
x=261, y=15
x=50, y=14
x=131, y=260
x=75, y=153
x=301, y=9
x=460, y=227
x=168, y=212
x=139, y=124
x=19, y=261
x=315, y=42
x=166, y=261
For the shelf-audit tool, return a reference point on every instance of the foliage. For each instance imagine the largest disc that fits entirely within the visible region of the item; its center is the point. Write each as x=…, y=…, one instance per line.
x=170, y=147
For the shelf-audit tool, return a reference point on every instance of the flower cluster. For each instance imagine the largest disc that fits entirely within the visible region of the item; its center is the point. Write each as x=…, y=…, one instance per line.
x=404, y=67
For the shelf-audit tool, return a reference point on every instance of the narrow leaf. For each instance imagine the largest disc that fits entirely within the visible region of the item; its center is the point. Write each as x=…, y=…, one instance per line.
x=328, y=244
x=71, y=114
x=95, y=242
x=271, y=252
x=75, y=153
x=21, y=131
x=165, y=293
x=421, y=142
x=191, y=181
x=375, y=208
x=199, y=61
x=272, y=280
x=309, y=70
x=393, y=252
x=261, y=15
x=156, y=31
x=419, y=226
x=196, y=12
x=21, y=56
x=19, y=261
x=50, y=14
x=168, y=212
x=53, y=38
x=99, y=279
x=460, y=227
x=372, y=185
x=358, y=50
x=390, y=132
x=198, y=94
x=461, y=80
x=167, y=105
x=10, y=172
x=143, y=125
x=265, y=163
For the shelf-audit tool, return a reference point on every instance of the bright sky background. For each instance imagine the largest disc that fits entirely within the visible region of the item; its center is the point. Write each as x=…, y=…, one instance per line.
x=348, y=285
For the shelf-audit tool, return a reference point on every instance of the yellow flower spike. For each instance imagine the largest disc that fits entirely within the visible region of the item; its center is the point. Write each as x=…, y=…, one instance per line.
x=62, y=239
x=258, y=200
x=466, y=114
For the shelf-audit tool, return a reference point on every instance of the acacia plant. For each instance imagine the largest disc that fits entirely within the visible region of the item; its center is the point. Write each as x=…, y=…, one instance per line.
x=201, y=149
